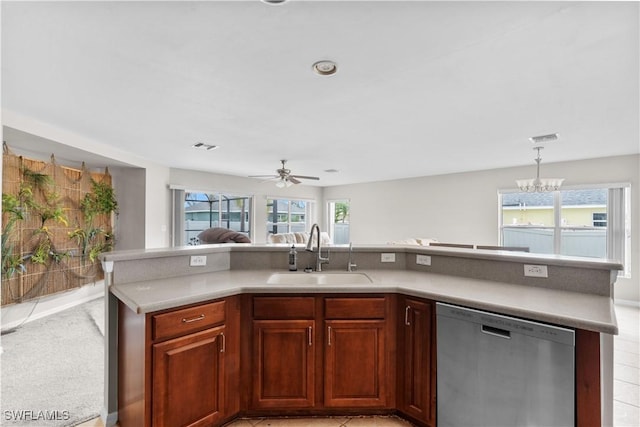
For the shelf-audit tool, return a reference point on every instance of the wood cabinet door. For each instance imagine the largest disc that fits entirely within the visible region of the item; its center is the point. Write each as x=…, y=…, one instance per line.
x=188, y=380
x=355, y=364
x=417, y=394
x=283, y=364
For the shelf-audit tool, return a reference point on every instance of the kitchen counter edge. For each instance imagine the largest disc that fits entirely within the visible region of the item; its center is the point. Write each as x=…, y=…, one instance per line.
x=571, y=309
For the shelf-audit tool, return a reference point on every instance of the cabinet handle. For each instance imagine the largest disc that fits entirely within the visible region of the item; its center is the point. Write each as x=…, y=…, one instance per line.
x=193, y=319
x=406, y=315
x=329, y=334
x=310, y=334
x=224, y=342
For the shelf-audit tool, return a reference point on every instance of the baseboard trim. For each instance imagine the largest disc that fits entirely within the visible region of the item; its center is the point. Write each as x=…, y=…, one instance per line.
x=627, y=302
x=15, y=315
x=109, y=419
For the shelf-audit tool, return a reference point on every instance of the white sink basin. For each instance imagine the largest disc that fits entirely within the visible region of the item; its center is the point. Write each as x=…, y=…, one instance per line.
x=318, y=278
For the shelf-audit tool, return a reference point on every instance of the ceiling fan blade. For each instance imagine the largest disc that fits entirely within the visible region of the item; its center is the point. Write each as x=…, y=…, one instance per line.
x=291, y=178
x=264, y=176
x=305, y=177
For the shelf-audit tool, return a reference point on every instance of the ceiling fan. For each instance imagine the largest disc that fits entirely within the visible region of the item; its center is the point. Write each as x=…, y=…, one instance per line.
x=284, y=178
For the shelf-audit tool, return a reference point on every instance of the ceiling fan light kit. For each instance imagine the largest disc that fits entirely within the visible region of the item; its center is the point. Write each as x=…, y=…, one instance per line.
x=283, y=183
x=284, y=178
x=537, y=184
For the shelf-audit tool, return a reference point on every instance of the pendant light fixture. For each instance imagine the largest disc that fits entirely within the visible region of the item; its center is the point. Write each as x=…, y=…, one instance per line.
x=537, y=184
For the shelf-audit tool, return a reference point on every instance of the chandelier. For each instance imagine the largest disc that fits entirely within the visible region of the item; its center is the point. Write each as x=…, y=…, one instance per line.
x=537, y=184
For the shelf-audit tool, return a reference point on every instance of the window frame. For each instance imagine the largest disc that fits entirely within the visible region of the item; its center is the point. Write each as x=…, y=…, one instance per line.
x=331, y=224
x=308, y=215
x=178, y=199
x=621, y=250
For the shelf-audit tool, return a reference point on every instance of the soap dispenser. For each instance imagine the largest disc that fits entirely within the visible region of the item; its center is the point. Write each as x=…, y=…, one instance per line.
x=293, y=259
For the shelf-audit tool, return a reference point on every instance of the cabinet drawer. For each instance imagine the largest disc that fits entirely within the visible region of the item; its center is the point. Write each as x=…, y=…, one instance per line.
x=283, y=308
x=186, y=320
x=354, y=308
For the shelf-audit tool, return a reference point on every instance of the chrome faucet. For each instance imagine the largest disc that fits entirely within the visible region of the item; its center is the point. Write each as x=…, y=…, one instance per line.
x=319, y=259
x=351, y=266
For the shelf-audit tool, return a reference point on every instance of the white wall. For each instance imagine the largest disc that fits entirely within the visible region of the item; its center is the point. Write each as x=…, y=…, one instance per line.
x=203, y=181
x=129, y=186
x=158, y=207
x=154, y=179
x=463, y=207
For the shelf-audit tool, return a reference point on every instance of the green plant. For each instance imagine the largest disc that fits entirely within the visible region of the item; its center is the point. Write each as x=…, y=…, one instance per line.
x=341, y=212
x=40, y=254
x=101, y=200
x=39, y=180
x=12, y=262
x=93, y=240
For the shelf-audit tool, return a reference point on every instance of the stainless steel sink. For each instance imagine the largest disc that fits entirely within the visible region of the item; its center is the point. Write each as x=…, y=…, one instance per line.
x=323, y=278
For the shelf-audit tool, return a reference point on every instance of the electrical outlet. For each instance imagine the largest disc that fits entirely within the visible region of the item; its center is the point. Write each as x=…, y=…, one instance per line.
x=535, y=270
x=387, y=257
x=198, y=260
x=423, y=259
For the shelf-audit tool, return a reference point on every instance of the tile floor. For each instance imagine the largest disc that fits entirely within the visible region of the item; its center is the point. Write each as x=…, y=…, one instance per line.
x=626, y=387
x=626, y=368
x=373, y=421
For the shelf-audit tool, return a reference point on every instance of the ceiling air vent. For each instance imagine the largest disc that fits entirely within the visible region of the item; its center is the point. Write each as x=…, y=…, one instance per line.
x=544, y=138
x=203, y=146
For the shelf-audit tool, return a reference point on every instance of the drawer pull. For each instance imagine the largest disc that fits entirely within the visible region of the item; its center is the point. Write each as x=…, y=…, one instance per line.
x=329, y=334
x=224, y=343
x=193, y=319
x=310, y=331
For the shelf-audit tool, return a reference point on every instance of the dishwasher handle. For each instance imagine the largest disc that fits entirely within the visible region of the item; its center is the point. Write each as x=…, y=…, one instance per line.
x=496, y=332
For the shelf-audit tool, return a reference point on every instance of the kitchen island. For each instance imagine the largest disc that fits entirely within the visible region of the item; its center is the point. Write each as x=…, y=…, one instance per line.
x=146, y=287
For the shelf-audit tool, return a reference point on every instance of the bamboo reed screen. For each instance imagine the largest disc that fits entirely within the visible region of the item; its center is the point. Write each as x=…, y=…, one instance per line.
x=69, y=270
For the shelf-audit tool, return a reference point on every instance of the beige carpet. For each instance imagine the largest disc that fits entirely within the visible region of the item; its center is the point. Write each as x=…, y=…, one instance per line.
x=52, y=369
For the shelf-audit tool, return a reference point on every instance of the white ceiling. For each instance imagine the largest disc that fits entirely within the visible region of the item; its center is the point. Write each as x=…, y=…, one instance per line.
x=423, y=87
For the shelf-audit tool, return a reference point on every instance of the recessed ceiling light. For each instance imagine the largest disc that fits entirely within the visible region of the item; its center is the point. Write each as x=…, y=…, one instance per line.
x=331, y=170
x=544, y=138
x=203, y=146
x=274, y=2
x=325, y=68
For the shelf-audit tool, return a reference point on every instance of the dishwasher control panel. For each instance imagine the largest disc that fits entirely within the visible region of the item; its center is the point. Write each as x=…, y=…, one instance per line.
x=503, y=325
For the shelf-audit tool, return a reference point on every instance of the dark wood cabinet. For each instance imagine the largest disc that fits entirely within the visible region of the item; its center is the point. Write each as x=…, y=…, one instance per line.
x=283, y=364
x=417, y=367
x=356, y=352
x=283, y=352
x=355, y=364
x=179, y=367
x=189, y=379
x=297, y=367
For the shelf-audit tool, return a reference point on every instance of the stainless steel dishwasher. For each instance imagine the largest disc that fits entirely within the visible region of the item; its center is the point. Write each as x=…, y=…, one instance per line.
x=497, y=371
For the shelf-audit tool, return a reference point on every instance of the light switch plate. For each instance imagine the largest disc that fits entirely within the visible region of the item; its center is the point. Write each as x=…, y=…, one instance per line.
x=388, y=257
x=423, y=259
x=535, y=270
x=198, y=260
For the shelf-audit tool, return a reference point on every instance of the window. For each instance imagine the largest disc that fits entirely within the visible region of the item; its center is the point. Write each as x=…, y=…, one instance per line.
x=288, y=216
x=585, y=222
x=599, y=219
x=208, y=210
x=338, y=215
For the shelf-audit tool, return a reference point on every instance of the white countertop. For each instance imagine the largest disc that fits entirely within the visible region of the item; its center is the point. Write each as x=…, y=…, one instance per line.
x=572, y=309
